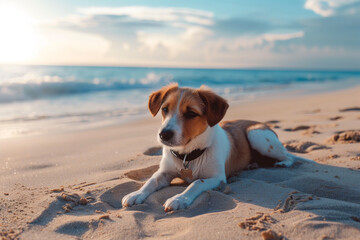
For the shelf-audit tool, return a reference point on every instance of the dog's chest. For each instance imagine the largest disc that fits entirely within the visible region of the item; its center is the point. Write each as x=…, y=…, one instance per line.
x=197, y=167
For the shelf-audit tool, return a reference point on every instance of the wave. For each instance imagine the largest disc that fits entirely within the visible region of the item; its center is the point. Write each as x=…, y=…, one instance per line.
x=48, y=82
x=23, y=89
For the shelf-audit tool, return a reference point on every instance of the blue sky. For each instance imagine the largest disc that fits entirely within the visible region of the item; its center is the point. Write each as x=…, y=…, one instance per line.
x=301, y=34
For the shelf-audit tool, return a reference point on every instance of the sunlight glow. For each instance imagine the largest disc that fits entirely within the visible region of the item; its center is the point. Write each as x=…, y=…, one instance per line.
x=17, y=37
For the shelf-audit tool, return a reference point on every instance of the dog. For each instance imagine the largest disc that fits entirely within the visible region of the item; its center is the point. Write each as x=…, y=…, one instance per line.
x=201, y=151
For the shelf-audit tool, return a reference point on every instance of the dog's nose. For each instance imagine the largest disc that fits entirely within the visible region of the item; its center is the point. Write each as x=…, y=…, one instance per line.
x=166, y=134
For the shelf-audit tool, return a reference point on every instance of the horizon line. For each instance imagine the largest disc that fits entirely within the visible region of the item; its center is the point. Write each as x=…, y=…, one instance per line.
x=186, y=67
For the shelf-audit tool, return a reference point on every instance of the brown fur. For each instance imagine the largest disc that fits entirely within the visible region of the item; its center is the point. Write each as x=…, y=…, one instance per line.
x=157, y=98
x=195, y=126
x=171, y=102
x=215, y=106
x=258, y=125
x=210, y=107
x=241, y=154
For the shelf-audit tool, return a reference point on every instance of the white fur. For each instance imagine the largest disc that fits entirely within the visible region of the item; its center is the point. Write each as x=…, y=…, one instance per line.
x=268, y=144
x=172, y=122
x=202, y=141
x=208, y=170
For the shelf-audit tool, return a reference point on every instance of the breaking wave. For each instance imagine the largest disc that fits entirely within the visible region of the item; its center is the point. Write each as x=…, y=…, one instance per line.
x=39, y=82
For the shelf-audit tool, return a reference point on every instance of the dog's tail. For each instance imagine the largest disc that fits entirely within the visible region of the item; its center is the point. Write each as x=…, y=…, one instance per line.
x=291, y=159
x=298, y=158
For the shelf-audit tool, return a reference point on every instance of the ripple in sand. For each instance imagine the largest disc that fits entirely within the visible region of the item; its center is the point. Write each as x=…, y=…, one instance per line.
x=310, y=132
x=297, y=128
x=335, y=118
x=303, y=147
x=273, y=123
x=38, y=166
x=153, y=151
x=351, y=109
x=351, y=136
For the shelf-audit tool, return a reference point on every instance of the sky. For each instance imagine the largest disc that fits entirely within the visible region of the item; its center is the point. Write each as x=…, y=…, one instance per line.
x=292, y=34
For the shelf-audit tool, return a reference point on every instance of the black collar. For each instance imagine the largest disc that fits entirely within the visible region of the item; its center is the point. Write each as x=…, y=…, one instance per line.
x=190, y=156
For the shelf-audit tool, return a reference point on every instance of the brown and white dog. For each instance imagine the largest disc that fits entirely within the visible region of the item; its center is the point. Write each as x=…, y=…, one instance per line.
x=198, y=149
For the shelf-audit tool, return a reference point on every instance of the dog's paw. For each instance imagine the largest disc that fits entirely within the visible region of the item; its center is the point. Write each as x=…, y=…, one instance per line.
x=177, y=202
x=133, y=198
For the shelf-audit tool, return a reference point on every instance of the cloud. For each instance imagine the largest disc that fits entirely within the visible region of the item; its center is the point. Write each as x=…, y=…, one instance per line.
x=173, y=46
x=328, y=42
x=340, y=30
x=349, y=9
x=190, y=37
x=140, y=29
x=150, y=13
x=171, y=32
x=108, y=24
x=240, y=26
x=336, y=31
x=264, y=41
x=327, y=8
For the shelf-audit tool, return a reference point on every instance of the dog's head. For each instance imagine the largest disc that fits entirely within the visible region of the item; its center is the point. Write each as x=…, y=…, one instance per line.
x=186, y=113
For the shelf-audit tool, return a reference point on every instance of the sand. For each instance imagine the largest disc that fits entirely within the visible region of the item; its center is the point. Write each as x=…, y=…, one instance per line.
x=70, y=185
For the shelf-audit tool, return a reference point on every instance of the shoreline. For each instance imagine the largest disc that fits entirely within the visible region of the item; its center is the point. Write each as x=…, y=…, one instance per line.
x=105, y=163
x=43, y=125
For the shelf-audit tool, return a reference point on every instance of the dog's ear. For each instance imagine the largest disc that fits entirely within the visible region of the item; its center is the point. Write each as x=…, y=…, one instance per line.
x=215, y=106
x=158, y=97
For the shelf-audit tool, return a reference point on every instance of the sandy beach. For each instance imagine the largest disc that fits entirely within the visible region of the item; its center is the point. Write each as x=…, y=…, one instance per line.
x=70, y=185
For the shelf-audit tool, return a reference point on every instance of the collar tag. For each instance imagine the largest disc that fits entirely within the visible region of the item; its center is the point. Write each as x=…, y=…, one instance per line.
x=186, y=174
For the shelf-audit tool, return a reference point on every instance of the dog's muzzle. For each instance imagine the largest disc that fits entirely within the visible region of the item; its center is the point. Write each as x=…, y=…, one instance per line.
x=166, y=135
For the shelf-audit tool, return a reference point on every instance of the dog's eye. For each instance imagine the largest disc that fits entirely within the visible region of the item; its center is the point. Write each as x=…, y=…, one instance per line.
x=190, y=114
x=165, y=110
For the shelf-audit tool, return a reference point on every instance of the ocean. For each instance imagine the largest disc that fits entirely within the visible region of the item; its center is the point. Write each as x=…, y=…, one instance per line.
x=44, y=99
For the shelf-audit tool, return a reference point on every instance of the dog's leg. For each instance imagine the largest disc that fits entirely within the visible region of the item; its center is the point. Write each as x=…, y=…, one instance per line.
x=158, y=180
x=267, y=143
x=184, y=199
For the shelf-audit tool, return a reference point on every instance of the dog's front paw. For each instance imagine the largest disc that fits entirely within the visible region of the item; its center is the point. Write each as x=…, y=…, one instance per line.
x=133, y=198
x=177, y=202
